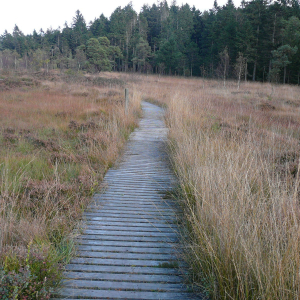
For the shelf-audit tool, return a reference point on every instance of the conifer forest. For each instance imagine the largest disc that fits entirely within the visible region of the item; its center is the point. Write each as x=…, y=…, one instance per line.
x=257, y=41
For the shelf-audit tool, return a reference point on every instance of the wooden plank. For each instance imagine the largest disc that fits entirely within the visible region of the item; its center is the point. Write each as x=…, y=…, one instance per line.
x=124, y=277
x=126, y=255
x=164, y=230
x=125, y=270
x=125, y=243
x=121, y=285
x=131, y=215
x=116, y=262
x=129, y=238
x=94, y=218
x=135, y=202
x=105, y=294
x=131, y=233
x=132, y=205
x=125, y=249
x=133, y=224
x=154, y=210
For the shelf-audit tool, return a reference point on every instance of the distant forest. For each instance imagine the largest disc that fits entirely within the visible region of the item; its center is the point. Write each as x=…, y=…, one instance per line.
x=259, y=41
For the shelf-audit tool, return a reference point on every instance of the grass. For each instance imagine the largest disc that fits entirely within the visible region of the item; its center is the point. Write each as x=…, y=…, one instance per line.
x=236, y=155
x=57, y=140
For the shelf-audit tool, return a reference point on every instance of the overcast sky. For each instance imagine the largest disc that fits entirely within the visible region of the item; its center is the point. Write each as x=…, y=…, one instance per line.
x=37, y=14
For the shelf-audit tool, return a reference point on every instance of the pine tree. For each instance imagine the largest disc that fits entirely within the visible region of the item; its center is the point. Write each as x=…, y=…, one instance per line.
x=97, y=54
x=143, y=52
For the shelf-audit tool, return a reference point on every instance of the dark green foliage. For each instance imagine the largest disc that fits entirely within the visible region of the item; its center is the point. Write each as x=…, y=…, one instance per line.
x=168, y=39
x=97, y=54
x=169, y=55
x=281, y=59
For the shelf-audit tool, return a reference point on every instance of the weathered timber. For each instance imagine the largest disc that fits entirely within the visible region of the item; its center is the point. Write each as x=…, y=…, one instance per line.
x=129, y=247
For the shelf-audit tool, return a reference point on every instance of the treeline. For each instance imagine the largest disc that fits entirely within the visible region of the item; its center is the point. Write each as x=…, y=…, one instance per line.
x=259, y=41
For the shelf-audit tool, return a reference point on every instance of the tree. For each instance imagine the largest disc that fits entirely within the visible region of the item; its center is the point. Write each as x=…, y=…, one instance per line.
x=290, y=35
x=256, y=12
x=100, y=27
x=143, y=52
x=224, y=64
x=240, y=67
x=41, y=59
x=97, y=55
x=79, y=32
x=169, y=55
x=80, y=57
x=281, y=58
x=123, y=23
x=19, y=40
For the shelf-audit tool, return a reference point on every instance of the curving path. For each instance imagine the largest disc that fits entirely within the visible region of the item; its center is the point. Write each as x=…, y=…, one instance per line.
x=128, y=249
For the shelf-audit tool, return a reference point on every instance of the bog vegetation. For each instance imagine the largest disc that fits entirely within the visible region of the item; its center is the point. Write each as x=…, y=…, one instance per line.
x=236, y=154
x=58, y=136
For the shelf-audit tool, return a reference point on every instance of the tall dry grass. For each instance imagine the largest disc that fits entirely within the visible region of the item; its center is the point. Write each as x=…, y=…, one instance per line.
x=236, y=155
x=57, y=139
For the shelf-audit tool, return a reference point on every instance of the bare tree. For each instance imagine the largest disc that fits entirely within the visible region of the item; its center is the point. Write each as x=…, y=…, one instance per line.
x=203, y=74
x=224, y=64
x=240, y=67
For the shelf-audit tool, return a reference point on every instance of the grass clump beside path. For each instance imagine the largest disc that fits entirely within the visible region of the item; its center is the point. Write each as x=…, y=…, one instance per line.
x=237, y=158
x=57, y=140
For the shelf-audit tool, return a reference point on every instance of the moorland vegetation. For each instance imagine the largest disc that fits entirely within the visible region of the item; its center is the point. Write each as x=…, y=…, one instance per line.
x=58, y=136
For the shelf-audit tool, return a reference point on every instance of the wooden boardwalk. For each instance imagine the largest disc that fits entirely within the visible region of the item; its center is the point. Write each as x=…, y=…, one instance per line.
x=129, y=247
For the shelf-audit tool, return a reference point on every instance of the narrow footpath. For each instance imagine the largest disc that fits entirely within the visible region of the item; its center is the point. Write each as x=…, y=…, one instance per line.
x=129, y=247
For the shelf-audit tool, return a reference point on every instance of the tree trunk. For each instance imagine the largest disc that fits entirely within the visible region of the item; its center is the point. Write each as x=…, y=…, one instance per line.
x=270, y=68
x=224, y=78
x=239, y=76
x=246, y=70
x=254, y=71
x=284, y=74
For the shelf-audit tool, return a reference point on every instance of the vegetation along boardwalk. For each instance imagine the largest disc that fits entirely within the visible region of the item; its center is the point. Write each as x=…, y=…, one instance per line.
x=129, y=247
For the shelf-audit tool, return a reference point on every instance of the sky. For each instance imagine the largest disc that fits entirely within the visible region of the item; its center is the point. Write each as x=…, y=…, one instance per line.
x=37, y=14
